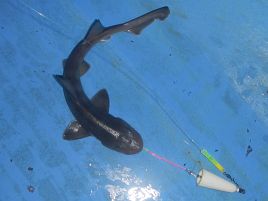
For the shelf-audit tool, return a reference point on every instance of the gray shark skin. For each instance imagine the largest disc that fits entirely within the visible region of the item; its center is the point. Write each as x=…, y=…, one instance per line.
x=92, y=115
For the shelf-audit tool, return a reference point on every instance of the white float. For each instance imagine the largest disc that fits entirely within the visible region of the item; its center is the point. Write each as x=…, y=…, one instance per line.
x=212, y=181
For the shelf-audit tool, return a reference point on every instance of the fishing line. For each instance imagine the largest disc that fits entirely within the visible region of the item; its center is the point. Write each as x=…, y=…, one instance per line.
x=38, y=13
x=176, y=165
x=203, y=151
x=50, y=24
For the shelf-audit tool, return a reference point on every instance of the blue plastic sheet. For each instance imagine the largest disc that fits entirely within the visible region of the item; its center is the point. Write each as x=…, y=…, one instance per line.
x=205, y=67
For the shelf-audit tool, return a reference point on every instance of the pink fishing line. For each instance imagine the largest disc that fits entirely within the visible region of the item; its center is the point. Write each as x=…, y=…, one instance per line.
x=164, y=159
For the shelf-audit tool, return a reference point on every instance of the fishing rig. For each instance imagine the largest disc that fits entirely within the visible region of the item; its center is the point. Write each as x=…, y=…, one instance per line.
x=204, y=178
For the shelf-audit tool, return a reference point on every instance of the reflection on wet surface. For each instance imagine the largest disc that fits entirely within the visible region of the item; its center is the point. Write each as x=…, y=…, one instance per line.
x=127, y=186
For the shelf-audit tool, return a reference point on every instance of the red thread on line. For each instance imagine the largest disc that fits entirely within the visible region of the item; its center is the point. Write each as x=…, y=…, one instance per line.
x=164, y=159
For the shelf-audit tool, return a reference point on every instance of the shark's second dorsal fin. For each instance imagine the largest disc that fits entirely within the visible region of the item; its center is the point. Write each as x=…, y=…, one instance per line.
x=101, y=101
x=95, y=29
x=83, y=68
x=138, y=29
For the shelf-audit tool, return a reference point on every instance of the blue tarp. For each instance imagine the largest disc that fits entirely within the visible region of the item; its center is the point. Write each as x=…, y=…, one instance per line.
x=204, y=69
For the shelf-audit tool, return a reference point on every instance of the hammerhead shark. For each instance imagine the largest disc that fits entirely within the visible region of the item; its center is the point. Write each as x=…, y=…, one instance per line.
x=92, y=115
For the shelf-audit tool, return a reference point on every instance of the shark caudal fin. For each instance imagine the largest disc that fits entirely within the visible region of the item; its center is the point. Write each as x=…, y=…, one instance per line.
x=83, y=68
x=138, y=29
x=140, y=23
x=101, y=101
x=75, y=131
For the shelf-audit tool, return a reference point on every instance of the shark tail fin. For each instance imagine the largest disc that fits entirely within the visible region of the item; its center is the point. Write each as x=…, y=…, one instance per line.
x=138, y=29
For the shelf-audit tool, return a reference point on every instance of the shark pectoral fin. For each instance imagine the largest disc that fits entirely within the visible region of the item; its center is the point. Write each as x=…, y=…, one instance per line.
x=138, y=29
x=65, y=84
x=75, y=131
x=101, y=100
x=83, y=67
x=95, y=29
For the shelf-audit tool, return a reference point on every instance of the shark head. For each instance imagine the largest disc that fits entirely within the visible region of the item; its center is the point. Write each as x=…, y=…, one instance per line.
x=128, y=140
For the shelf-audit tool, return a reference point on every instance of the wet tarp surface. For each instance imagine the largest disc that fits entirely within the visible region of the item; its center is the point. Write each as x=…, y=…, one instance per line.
x=204, y=69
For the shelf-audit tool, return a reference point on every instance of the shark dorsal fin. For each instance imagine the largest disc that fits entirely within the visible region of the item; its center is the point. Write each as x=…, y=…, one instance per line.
x=75, y=131
x=101, y=100
x=84, y=66
x=138, y=29
x=95, y=29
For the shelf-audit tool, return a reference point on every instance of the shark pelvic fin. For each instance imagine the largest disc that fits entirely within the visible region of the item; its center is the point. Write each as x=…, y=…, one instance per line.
x=101, y=100
x=138, y=29
x=84, y=66
x=65, y=84
x=75, y=131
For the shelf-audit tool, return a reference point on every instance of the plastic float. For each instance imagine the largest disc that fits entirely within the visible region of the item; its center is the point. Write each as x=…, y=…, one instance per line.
x=212, y=181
